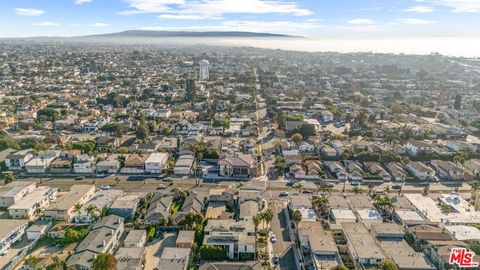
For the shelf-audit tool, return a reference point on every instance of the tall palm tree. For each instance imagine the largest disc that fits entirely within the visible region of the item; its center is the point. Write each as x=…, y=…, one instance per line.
x=267, y=216
x=324, y=188
x=356, y=190
x=475, y=186
x=91, y=211
x=321, y=204
x=32, y=262
x=76, y=208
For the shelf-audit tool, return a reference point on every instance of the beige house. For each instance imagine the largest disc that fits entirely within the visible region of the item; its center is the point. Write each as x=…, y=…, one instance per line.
x=63, y=208
x=33, y=204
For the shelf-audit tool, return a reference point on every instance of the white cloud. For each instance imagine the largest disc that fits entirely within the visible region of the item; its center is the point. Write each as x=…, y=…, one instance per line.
x=419, y=9
x=29, y=11
x=215, y=8
x=248, y=25
x=81, y=2
x=46, y=24
x=464, y=6
x=186, y=17
x=361, y=21
x=414, y=21
x=98, y=24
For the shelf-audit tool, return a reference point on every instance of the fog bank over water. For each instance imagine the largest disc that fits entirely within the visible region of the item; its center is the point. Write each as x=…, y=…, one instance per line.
x=462, y=46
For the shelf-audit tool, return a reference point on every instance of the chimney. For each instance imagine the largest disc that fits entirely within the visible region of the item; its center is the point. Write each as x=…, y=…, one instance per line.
x=104, y=243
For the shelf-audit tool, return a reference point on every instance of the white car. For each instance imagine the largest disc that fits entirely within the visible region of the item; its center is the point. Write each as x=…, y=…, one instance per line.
x=283, y=194
x=273, y=238
x=105, y=187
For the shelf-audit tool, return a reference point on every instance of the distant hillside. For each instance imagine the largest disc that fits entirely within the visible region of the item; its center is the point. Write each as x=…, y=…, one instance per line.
x=149, y=34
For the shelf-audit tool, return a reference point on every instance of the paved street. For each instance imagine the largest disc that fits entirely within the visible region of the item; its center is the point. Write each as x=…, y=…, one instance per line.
x=283, y=246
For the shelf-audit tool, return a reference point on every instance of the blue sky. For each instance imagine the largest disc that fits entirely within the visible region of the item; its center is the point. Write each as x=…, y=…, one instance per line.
x=312, y=18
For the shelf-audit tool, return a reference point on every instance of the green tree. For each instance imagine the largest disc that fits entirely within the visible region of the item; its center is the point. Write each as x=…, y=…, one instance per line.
x=114, y=128
x=57, y=263
x=142, y=131
x=191, y=221
x=388, y=264
x=297, y=137
x=296, y=217
x=32, y=262
x=340, y=267
x=356, y=190
x=267, y=216
x=321, y=204
x=104, y=261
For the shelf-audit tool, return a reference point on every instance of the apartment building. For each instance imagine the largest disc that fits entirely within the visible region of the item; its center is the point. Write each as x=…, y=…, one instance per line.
x=14, y=192
x=62, y=208
x=33, y=203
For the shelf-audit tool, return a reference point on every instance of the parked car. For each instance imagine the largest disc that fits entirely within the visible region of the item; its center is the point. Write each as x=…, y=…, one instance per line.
x=273, y=238
x=105, y=187
x=283, y=193
x=275, y=260
x=79, y=177
x=161, y=187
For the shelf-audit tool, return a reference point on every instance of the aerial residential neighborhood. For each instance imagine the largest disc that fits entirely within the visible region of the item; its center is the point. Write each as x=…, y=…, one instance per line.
x=130, y=151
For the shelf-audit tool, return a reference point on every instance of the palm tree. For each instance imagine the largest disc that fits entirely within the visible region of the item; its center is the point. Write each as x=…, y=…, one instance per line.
x=356, y=190
x=32, y=262
x=267, y=216
x=256, y=221
x=320, y=203
x=76, y=208
x=299, y=187
x=387, y=189
x=58, y=264
x=324, y=188
x=475, y=186
x=426, y=189
x=91, y=209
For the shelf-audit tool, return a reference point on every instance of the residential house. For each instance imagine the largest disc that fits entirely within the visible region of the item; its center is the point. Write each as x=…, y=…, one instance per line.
x=377, y=171
x=156, y=163
x=319, y=244
x=397, y=171
x=185, y=239
x=110, y=165
x=63, y=207
x=237, y=166
x=41, y=162
x=194, y=202
x=336, y=168
x=238, y=237
x=159, y=208
x=125, y=206
x=358, y=237
x=135, y=164
x=174, y=258
x=185, y=165
x=130, y=258
x=11, y=231
x=16, y=161
x=135, y=238
x=33, y=204
x=415, y=148
x=421, y=171
x=100, y=202
x=84, y=164
x=103, y=238
x=13, y=192
x=448, y=169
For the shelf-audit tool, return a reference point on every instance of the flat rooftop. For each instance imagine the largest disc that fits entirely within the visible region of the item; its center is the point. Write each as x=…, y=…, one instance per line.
x=360, y=238
x=70, y=198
